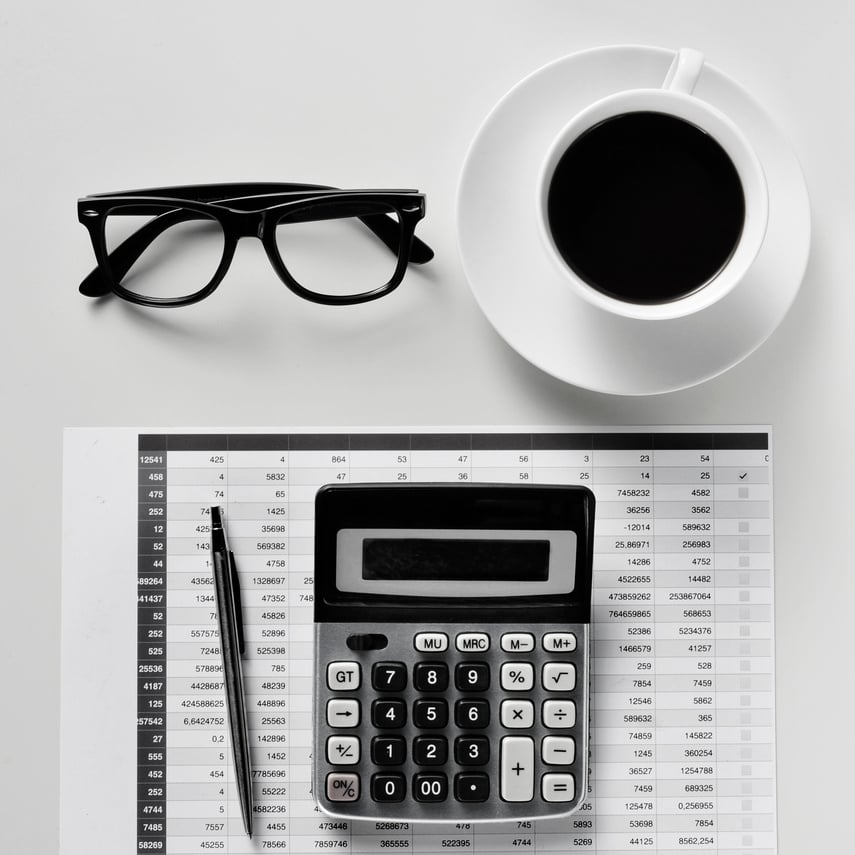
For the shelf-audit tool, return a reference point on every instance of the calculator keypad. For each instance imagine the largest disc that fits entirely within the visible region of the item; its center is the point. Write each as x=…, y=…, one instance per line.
x=449, y=724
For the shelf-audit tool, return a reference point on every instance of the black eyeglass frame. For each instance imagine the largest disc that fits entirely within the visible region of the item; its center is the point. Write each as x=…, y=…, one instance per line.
x=246, y=210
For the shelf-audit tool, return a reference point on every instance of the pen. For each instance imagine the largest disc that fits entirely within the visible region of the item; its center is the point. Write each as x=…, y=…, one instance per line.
x=227, y=591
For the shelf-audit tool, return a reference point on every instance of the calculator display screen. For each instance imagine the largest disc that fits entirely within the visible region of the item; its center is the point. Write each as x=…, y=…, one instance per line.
x=468, y=562
x=444, y=560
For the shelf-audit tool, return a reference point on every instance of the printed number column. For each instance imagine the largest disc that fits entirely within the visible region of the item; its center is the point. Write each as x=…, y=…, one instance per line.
x=151, y=642
x=685, y=642
x=624, y=678
x=259, y=527
x=203, y=807
x=314, y=460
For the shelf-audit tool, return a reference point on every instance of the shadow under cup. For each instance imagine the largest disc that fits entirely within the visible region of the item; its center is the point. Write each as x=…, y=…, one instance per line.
x=645, y=207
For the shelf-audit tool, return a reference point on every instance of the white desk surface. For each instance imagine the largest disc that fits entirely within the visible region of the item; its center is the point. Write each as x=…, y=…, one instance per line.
x=108, y=96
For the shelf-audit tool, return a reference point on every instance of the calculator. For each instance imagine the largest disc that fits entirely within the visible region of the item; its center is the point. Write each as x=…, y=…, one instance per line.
x=451, y=651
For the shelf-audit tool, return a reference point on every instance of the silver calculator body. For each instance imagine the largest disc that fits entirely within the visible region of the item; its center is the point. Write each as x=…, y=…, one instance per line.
x=452, y=651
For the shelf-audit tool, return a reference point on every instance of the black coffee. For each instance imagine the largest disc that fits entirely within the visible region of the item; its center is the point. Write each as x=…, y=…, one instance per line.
x=646, y=207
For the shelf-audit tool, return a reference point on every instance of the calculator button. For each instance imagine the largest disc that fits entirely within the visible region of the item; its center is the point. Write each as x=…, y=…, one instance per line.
x=559, y=642
x=388, y=787
x=558, y=714
x=430, y=713
x=431, y=642
x=342, y=787
x=343, y=676
x=469, y=642
x=430, y=788
x=558, y=787
x=389, y=676
x=558, y=750
x=516, y=769
x=471, y=787
x=430, y=750
x=343, y=750
x=517, y=642
x=343, y=712
x=517, y=676
x=388, y=714
x=472, y=714
x=471, y=750
x=472, y=676
x=430, y=676
x=517, y=713
x=559, y=676
x=388, y=750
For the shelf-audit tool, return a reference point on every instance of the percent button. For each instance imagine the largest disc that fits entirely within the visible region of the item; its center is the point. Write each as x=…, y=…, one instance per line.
x=517, y=676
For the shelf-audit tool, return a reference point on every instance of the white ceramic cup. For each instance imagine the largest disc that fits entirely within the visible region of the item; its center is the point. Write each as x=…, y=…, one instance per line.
x=674, y=98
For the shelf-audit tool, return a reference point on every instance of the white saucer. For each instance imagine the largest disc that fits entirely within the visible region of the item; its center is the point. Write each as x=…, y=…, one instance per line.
x=525, y=295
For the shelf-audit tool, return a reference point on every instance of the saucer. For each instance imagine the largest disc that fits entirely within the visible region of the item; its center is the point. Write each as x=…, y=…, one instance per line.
x=524, y=292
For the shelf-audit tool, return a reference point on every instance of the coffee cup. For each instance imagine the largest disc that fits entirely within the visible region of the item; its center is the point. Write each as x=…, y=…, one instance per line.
x=652, y=202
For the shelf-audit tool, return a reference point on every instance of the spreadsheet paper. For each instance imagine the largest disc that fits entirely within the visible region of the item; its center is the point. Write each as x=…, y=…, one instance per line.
x=682, y=713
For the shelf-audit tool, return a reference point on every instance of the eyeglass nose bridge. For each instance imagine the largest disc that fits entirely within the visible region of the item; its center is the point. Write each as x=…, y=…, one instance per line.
x=247, y=223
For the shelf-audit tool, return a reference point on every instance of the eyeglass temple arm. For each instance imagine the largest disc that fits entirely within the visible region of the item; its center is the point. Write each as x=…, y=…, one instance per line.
x=123, y=257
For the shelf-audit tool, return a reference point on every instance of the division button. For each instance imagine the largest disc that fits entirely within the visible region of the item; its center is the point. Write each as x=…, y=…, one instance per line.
x=343, y=750
x=343, y=712
x=558, y=787
x=517, y=714
x=517, y=642
x=559, y=676
x=343, y=676
x=559, y=714
x=431, y=642
x=516, y=769
x=559, y=642
x=558, y=750
x=342, y=787
x=471, y=787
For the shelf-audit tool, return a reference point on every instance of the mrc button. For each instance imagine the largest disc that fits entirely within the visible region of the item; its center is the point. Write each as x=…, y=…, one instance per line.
x=472, y=641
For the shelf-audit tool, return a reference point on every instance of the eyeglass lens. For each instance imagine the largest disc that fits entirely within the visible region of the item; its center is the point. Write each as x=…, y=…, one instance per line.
x=180, y=250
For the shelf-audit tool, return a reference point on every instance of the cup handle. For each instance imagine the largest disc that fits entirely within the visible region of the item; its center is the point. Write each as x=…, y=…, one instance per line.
x=684, y=71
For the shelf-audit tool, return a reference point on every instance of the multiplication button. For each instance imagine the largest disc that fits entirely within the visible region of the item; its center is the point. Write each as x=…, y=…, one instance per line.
x=517, y=714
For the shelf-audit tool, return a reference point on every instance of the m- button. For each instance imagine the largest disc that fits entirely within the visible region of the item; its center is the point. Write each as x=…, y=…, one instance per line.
x=472, y=641
x=343, y=676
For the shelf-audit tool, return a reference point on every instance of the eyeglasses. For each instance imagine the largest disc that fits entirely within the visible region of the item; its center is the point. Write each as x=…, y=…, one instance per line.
x=172, y=246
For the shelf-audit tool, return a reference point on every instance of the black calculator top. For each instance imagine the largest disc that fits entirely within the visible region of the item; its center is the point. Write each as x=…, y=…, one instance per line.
x=452, y=651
